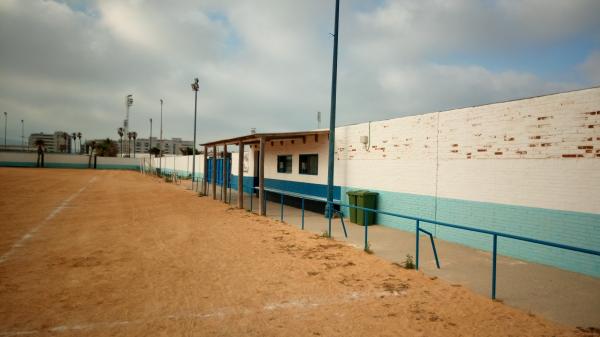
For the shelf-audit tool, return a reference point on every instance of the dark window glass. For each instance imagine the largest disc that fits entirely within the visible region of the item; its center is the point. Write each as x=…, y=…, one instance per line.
x=309, y=164
x=284, y=164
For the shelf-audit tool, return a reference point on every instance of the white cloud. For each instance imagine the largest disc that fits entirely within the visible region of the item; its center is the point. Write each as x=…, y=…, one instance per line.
x=591, y=67
x=266, y=64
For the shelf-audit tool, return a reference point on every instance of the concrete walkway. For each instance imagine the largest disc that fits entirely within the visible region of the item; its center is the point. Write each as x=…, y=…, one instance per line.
x=559, y=295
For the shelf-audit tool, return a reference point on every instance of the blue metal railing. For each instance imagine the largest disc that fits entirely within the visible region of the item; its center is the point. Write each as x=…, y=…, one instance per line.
x=418, y=230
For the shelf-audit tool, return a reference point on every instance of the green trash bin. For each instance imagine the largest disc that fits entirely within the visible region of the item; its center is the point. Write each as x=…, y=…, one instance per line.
x=366, y=199
x=352, y=199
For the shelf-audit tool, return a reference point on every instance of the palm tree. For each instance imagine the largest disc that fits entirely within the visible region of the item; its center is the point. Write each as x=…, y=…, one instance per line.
x=107, y=148
x=155, y=151
x=65, y=136
x=121, y=132
x=79, y=136
x=74, y=135
x=134, y=135
x=40, y=152
x=187, y=151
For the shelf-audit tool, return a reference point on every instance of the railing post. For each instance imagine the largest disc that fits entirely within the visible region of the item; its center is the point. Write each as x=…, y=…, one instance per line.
x=366, y=230
x=417, y=246
x=281, y=216
x=329, y=216
x=494, y=255
x=302, y=213
x=251, y=197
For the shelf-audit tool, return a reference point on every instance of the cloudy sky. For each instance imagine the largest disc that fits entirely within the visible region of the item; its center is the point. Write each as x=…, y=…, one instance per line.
x=67, y=65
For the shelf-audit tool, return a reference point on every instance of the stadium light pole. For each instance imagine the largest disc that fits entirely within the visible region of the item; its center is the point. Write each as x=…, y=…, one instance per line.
x=195, y=88
x=128, y=104
x=161, y=137
x=332, y=117
x=150, y=139
x=22, y=135
x=5, y=121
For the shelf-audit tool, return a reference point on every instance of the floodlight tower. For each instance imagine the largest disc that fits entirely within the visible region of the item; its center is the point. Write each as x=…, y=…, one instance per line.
x=161, y=137
x=195, y=88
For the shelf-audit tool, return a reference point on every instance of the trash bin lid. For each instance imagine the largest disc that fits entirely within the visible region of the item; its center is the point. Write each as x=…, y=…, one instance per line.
x=365, y=193
x=357, y=192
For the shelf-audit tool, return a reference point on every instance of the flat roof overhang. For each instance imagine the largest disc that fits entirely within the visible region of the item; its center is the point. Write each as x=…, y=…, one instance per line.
x=256, y=137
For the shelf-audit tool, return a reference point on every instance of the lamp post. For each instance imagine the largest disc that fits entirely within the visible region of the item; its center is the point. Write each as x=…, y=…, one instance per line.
x=22, y=135
x=332, y=117
x=5, y=120
x=161, y=137
x=150, y=139
x=195, y=87
x=128, y=103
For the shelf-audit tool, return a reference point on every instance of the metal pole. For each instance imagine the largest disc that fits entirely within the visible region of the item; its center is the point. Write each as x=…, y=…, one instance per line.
x=195, y=88
x=302, y=213
x=495, y=251
x=225, y=174
x=329, y=212
x=366, y=230
x=417, y=247
x=213, y=172
x=150, y=146
x=161, y=137
x=261, y=178
x=22, y=135
x=205, y=172
x=281, y=216
x=5, y=123
x=332, y=115
x=240, y=175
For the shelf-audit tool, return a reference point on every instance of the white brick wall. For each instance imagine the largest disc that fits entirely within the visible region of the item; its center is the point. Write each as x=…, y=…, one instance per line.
x=539, y=152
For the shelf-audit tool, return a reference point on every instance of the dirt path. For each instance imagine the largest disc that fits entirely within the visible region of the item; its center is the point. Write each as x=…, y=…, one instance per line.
x=132, y=256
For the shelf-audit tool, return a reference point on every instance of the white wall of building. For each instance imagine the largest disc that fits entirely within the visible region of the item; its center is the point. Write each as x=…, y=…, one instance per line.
x=538, y=152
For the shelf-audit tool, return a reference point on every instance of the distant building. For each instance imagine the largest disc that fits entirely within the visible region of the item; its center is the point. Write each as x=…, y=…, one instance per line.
x=169, y=146
x=54, y=142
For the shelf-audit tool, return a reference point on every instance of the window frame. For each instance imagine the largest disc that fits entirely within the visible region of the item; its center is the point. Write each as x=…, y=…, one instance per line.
x=288, y=168
x=300, y=164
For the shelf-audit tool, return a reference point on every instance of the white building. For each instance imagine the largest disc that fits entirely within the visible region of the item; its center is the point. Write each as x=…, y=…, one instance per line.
x=528, y=167
x=53, y=142
x=168, y=146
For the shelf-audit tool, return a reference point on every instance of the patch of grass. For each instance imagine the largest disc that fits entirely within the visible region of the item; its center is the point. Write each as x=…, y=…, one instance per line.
x=325, y=234
x=409, y=263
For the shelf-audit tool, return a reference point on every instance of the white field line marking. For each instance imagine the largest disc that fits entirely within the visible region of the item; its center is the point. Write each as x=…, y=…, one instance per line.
x=219, y=313
x=50, y=216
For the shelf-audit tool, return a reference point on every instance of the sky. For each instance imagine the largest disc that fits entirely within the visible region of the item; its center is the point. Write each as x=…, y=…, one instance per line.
x=266, y=64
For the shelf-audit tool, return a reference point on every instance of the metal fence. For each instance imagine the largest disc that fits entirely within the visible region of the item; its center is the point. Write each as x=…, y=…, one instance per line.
x=418, y=221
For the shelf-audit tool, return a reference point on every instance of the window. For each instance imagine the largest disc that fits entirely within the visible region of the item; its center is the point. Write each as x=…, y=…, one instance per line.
x=284, y=164
x=309, y=164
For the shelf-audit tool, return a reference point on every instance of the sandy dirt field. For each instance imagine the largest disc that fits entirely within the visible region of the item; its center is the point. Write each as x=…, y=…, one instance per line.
x=108, y=253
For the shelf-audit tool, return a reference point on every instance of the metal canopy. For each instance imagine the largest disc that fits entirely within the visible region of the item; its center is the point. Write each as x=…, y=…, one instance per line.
x=255, y=138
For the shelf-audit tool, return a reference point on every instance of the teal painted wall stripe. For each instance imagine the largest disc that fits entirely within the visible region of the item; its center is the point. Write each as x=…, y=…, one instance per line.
x=248, y=183
x=572, y=228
